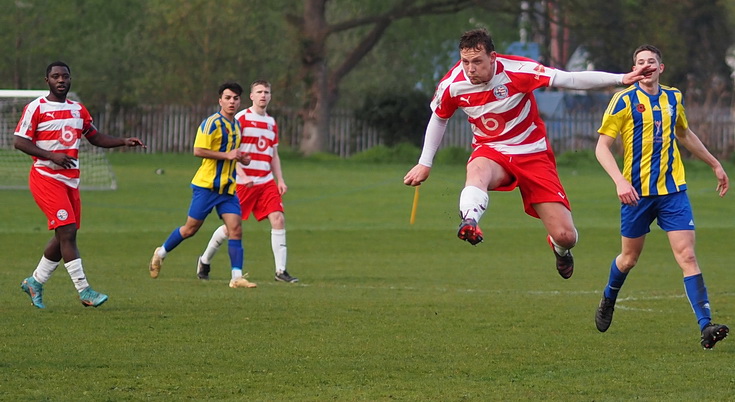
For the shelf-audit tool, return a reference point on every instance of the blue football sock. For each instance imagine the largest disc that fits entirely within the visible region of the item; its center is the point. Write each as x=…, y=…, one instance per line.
x=174, y=239
x=697, y=295
x=237, y=254
x=615, y=282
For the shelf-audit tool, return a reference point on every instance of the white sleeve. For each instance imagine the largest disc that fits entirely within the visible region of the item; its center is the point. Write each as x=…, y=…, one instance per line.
x=585, y=79
x=432, y=139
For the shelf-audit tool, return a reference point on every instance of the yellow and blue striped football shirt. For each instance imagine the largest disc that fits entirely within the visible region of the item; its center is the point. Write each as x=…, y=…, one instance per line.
x=647, y=123
x=218, y=134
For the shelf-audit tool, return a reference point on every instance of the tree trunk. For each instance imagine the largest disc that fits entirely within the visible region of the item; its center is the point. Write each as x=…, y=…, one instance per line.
x=322, y=85
x=315, y=112
x=315, y=131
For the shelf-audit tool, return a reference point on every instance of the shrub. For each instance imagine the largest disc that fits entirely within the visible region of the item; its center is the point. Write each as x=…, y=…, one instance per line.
x=399, y=117
x=401, y=153
x=452, y=156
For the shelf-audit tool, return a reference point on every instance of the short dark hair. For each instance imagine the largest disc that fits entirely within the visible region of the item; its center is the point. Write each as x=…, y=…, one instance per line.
x=57, y=64
x=650, y=48
x=476, y=39
x=232, y=86
x=260, y=82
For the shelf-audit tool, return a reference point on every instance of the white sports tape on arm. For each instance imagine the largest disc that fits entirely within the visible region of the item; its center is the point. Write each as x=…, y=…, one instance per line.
x=586, y=79
x=432, y=139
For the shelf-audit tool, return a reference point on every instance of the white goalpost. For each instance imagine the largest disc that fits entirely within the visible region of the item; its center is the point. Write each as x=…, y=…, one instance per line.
x=96, y=171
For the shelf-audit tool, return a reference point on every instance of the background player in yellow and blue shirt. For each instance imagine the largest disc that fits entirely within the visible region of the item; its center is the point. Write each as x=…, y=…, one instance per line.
x=217, y=143
x=651, y=122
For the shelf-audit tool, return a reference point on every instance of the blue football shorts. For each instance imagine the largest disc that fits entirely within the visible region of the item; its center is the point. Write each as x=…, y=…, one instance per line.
x=203, y=200
x=671, y=211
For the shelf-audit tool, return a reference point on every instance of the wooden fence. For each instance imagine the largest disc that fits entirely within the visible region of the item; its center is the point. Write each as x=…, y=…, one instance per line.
x=172, y=128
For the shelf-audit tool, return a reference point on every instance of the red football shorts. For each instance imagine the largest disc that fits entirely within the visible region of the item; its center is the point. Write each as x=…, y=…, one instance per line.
x=260, y=200
x=535, y=176
x=60, y=203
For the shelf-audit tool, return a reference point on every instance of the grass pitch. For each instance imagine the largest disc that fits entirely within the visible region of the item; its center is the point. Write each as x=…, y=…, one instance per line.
x=384, y=310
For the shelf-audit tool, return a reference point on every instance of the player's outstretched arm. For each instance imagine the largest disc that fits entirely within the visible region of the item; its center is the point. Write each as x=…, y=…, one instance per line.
x=598, y=79
x=107, y=141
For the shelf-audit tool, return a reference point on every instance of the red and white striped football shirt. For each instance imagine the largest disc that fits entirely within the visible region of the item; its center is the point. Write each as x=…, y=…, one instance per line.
x=259, y=137
x=56, y=127
x=502, y=113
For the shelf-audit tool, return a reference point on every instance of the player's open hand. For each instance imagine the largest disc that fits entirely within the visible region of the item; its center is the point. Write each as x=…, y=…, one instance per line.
x=638, y=73
x=134, y=142
x=417, y=175
x=627, y=193
x=282, y=188
x=723, y=182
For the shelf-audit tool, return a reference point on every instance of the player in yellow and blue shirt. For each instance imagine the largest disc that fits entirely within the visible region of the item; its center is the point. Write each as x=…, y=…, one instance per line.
x=651, y=123
x=219, y=134
x=217, y=143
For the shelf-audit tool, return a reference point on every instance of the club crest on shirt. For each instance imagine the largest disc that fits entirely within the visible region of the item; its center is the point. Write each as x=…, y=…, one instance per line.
x=500, y=92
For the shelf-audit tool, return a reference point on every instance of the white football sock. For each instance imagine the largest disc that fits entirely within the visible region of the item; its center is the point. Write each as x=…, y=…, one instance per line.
x=218, y=237
x=473, y=202
x=44, y=269
x=278, y=244
x=236, y=273
x=76, y=272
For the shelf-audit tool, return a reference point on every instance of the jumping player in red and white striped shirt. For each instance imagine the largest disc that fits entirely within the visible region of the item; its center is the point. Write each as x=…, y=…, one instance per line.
x=50, y=131
x=510, y=147
x=260, y=185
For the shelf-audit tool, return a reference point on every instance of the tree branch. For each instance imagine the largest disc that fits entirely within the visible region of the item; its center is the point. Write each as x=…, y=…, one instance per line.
x=359, y=52
x=406, y=8
x=381, y=22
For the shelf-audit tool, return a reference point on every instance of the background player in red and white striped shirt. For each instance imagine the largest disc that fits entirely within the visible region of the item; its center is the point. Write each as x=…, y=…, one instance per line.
x=510, y=148
x=260, y=185
x=50, y=131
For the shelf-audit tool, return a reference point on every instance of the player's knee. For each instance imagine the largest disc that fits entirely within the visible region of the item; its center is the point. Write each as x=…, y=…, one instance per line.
x=278, y=221
x=687, y=258
x=187, y=232
x=566, y=238
x=66, y=233
x=234, y=232
x=626, y=262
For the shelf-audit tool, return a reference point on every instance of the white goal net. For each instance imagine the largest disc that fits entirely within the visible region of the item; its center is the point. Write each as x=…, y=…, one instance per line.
x=96, y=171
